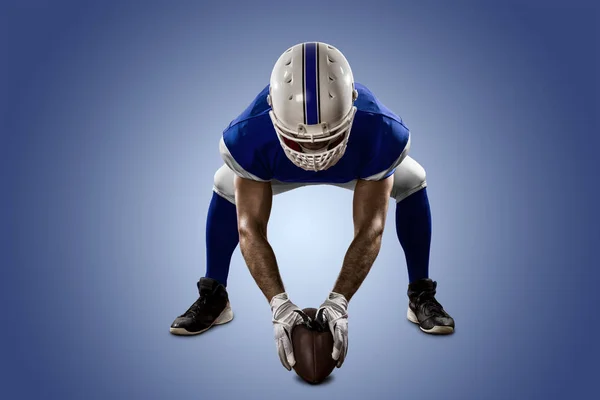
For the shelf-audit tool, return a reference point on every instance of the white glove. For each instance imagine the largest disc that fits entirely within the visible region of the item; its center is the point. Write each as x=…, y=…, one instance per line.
x=333, y=311
x=286, y=315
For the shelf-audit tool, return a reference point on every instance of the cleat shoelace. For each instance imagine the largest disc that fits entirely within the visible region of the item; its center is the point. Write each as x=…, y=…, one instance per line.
x=195, y=308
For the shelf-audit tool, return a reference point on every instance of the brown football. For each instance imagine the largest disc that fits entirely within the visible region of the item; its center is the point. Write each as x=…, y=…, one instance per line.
x=313, y=345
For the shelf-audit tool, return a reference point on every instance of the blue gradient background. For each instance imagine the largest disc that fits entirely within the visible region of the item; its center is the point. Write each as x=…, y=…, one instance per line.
x=111, y=116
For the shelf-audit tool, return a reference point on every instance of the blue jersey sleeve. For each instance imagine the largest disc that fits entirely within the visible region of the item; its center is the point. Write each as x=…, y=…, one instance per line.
x=242, y=148
x=390, y=145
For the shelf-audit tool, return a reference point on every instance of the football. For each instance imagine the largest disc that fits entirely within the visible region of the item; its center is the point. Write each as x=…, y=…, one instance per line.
x=313, y=345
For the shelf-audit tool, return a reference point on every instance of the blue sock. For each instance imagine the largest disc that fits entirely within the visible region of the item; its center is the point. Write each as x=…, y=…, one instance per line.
x=413, y=226
x=221, y=238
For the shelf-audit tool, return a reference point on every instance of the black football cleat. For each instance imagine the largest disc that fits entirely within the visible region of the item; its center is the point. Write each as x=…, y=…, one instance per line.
x=211, y=308
x=425, y=310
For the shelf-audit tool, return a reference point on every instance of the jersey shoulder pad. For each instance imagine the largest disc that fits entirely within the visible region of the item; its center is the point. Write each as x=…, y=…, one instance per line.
x=245, y=141
x=248, y=148
x=390, y=145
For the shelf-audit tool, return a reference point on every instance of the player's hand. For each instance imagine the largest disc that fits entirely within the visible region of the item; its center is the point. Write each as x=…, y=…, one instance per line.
x=286, y=315
x=334, y=312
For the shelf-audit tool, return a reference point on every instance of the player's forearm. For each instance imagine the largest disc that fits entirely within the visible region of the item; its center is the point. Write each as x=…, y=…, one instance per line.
x=358, y=262
x=261, y=261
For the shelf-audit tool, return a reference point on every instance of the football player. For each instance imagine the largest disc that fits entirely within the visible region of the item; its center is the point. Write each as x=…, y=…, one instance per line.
x=314, y=125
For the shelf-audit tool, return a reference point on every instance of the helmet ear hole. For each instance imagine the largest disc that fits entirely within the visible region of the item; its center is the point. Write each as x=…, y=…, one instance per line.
x=269, y=100
x=354, y=94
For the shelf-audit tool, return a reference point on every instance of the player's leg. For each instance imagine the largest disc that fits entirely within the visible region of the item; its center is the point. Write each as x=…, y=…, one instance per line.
x=413, y=227
x=213, y=307
x=413, y=217
x=221, y=226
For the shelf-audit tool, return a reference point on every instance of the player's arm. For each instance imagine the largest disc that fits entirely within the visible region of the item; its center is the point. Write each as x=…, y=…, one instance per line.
x=370, y=205
x=253, y=203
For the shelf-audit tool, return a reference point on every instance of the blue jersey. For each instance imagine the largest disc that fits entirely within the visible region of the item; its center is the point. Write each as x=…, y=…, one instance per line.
x=377, y=143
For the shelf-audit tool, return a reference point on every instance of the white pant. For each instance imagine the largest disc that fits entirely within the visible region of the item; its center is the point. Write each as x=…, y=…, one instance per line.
x=409, y=178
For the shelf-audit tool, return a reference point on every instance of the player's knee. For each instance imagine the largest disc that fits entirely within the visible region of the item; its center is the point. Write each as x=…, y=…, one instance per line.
x=223, y=183
x=409, y=178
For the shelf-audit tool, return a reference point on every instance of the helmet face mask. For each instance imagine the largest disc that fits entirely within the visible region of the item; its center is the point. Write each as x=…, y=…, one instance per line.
x=311, y=94
x=297, y=145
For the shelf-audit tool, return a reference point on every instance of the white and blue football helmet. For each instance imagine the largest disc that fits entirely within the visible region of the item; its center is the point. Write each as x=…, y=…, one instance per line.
x=312, y=96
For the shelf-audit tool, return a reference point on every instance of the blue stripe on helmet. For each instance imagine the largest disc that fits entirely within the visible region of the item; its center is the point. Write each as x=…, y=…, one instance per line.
x=311, y=100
